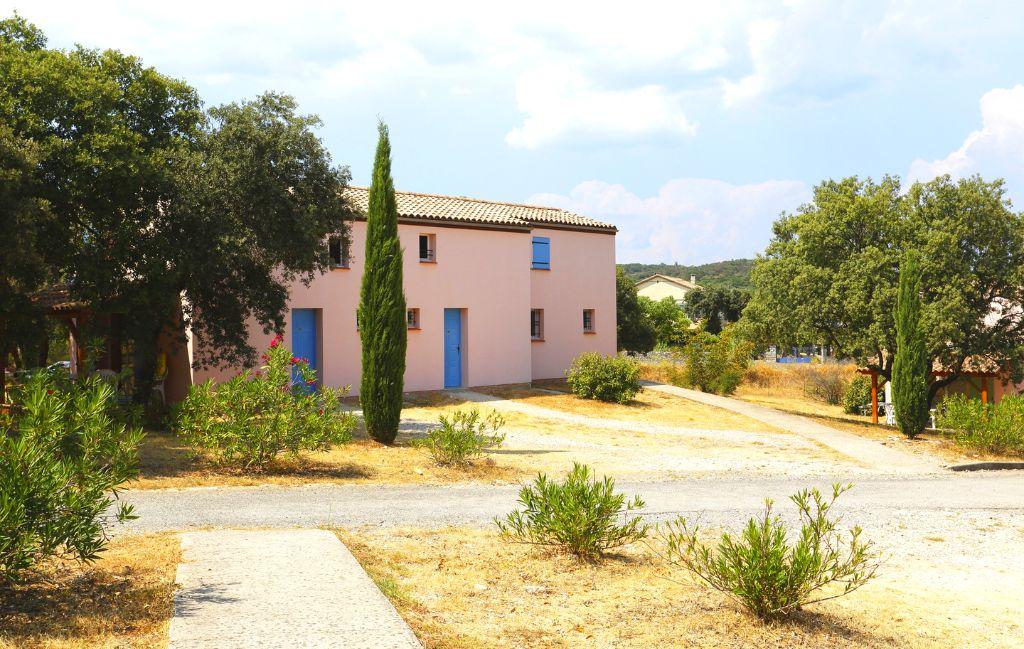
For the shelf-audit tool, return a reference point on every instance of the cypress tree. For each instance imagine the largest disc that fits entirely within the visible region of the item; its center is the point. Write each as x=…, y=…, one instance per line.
x=381, y=315
x=910, y=366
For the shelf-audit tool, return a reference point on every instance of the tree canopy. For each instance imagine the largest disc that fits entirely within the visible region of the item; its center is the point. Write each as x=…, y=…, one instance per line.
x=830, y=273
x=671, y=326
x=635, y=330
x=731, y=273
x=716, y=307
x=152, y=203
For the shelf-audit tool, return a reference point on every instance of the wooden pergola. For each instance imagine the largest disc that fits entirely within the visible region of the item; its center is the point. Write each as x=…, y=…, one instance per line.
x=984, y=376
x=56, y=302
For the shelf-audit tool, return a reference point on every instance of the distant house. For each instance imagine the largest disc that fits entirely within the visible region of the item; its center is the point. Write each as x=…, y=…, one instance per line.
x=496, y=293
x=658, y=287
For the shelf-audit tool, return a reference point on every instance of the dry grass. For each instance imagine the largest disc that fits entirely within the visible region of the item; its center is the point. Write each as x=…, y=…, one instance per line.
x=123, y=600
x=781, y=387
x=649, y=407
x=466, y=588
x=167, y=463
x=534, y=444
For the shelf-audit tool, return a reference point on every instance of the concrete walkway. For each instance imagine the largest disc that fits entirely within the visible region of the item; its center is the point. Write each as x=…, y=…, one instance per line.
x=265, y=588
x=867, y=451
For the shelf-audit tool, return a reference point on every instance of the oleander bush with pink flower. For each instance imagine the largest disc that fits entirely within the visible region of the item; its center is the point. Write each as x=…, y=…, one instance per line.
x=258, y=415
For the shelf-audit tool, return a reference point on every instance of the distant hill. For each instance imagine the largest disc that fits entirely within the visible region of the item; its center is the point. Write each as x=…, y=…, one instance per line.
x=734, y=273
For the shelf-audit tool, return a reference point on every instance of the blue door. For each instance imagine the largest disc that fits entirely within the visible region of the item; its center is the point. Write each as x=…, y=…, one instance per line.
x=452, y=348
x=304, y=337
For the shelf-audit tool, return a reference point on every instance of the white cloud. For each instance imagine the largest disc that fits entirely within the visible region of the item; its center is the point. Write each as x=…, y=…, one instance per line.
x=689, y=220
x=994, y=150
x=645, y=70
x=560, y=104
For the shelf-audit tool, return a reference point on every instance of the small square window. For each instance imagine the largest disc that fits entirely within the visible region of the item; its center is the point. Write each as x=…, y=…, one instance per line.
x=537, y=324
x=588, y=321
x=412, y=318
x=428, y=250
x=337, y=248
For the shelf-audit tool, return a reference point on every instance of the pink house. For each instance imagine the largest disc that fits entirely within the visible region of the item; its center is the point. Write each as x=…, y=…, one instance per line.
x=496, y=292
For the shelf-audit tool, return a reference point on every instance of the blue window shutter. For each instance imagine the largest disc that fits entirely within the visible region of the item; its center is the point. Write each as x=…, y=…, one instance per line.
x=542, y=252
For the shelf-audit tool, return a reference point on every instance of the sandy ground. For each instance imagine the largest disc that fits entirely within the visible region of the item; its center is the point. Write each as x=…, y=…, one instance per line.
x=123, y=600
x=950, y=579
x=659, y=437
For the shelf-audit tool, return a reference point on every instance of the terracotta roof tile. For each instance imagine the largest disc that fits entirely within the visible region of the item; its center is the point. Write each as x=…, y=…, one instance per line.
x=460, y=209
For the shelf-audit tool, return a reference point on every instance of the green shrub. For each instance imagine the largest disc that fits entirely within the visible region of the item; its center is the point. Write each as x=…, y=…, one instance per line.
x=251, y=419
x=463, y=437
x=995, y=428
x=857, y=397
x=767, y=574
x=715, y=363
x=605, y=378
x=825, y=383
x=63, y=457
x=580, y=515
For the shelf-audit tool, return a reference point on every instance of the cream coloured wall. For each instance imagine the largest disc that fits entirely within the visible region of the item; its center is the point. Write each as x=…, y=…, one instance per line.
x=658, y=289
x=582, y=276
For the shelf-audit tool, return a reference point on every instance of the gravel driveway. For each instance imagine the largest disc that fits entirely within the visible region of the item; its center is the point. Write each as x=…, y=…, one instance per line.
x=718, y=501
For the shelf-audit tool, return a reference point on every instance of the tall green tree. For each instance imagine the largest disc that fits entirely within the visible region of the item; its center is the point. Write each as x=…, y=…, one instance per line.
x=831, y=273
x=24, y=217
x=634, y=328
x=162, y=212
x=910, y=365
x=382, y=326
x=671, y=326
x=715, y=307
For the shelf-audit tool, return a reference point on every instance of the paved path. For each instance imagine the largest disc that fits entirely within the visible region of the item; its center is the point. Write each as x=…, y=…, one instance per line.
x=721, y=501
x=867, y=451
x=294, y=588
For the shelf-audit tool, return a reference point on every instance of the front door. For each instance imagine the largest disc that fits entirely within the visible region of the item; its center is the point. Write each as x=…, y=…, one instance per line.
x=453, y=348
x=304, y=338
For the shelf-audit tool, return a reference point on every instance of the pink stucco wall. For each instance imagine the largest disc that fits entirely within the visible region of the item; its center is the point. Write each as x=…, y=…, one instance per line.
x=582, y=276
x=488, y=274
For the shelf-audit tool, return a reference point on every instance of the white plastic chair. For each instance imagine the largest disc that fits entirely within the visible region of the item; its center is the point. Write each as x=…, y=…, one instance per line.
x=890, y=414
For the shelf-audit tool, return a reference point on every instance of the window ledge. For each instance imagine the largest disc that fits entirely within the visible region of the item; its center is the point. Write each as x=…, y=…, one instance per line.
x=428, y=261
x=413, y=328
x=539, y=268
x=589, y=333
x=339, y=267
x=537, y=340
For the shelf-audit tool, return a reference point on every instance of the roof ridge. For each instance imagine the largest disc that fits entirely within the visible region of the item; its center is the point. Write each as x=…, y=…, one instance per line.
x=475, y=200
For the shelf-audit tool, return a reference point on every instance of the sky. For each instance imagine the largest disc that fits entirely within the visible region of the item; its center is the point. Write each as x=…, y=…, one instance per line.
x=689, y=125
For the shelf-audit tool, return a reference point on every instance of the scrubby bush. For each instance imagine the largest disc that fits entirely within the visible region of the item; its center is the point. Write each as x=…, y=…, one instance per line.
x=580, y=515
x=995, y=428
x=825, y=383
x=716, y=363
x=767, y=574
x=605, y=378
x=463, y=437
x=63, y=457
x=761, y=375
x=251, y=419
x=858, y=395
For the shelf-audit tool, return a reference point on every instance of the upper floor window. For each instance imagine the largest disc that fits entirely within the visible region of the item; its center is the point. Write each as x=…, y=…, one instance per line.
x=542, y=253
x=337, y=248
x=537, y=324
x=588, y=321
x=412, y=318
x=428, y=248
